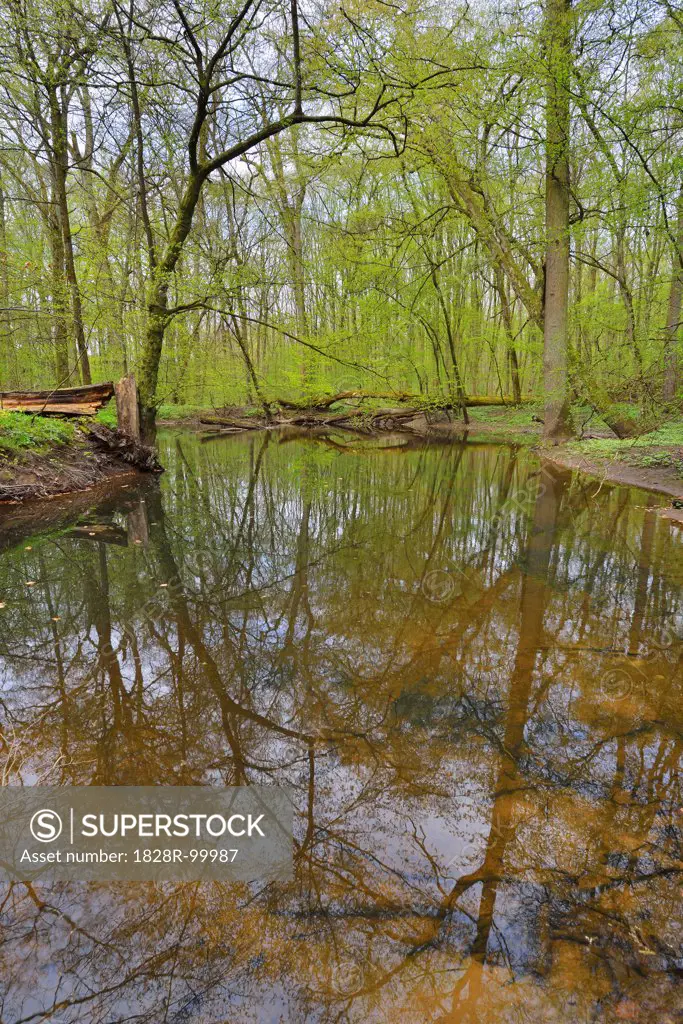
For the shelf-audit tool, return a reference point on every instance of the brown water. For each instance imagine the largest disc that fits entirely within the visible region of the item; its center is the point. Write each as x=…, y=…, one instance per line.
x=467, y=666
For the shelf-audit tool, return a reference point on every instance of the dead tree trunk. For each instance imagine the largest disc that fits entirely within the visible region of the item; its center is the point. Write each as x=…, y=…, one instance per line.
x=127, y=407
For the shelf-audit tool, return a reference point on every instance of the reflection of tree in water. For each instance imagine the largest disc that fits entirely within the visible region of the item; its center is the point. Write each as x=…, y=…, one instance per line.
x=472, y=808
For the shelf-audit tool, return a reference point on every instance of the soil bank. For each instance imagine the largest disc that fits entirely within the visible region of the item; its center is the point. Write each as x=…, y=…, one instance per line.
x=94, y=455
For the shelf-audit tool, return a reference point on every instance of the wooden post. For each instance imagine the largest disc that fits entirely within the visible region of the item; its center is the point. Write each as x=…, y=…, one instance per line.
x=127, y=407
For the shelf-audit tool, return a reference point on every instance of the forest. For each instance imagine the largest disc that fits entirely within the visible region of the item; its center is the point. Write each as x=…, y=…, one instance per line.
x=247, y=202
x=388, y=296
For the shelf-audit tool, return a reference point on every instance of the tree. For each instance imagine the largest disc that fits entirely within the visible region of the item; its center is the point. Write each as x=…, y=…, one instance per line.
x=219, y=70
x=556, y=421
x=217, y=203
x=673, y=316
x=50, y=67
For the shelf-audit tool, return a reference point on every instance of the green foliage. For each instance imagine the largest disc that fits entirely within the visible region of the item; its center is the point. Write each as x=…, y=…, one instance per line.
x=659, y=449
x=670, y=434
x=331, y=262
x=182, y=412
x=657, y=459
x=107, y=415
x=510, y=416
x=21, y=432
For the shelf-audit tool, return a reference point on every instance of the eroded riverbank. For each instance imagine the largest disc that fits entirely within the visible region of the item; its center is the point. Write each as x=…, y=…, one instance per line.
x=40, y=462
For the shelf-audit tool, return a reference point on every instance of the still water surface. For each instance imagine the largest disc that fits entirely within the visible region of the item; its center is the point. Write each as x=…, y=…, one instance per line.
x=465, y=663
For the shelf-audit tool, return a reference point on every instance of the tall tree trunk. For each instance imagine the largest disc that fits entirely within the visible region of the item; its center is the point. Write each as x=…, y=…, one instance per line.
x=60, y=163
x=673, y=316
x=513, y=361
x=557, y=423
x=59, y=328
x=100, y=219
x=291, y=210
x=5, y=328
x=158, y=313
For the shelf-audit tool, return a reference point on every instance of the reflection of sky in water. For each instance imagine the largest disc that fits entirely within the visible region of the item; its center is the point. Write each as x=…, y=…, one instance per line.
x=484, y=773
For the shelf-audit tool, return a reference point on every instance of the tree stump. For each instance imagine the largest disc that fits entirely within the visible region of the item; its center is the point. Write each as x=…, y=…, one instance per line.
x=127, y=407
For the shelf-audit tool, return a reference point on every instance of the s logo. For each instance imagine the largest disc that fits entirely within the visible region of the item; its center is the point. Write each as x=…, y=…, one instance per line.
x=46, y=826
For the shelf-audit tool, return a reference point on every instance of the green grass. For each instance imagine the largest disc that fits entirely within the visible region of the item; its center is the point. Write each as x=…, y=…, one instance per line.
x=181, y=412
x=658, y=459
x=671, y=434
x=107, y=415
x=189, y=412
x=21, y=432
x=660, y=449
x=513, y=416
x=600, y=447
x=168, y=411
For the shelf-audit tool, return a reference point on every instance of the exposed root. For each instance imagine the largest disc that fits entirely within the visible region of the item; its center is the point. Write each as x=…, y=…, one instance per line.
x=98, y=455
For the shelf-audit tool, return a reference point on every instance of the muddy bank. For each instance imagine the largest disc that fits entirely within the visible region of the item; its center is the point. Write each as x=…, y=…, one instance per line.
x=97, y=455
x=660, y=480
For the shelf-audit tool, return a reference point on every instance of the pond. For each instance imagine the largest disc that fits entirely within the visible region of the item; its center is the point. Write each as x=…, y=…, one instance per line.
x=465, y=662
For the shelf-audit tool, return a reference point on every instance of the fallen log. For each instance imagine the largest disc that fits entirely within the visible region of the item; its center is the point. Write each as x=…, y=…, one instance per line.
x=472, y=401
x=416, y=420
x=211, y=435
x=324, y=402
x=313, y=419
x=358, y=421
x=82, y=401
x=224, y=421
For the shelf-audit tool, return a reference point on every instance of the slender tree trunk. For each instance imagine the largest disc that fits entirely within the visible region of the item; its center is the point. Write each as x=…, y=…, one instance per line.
x=100, y=220
x=578, y=295
x=5, y=327
x=557, y=422
x=59, y=328
x=294, y=215
x=136, y=113
x=291, y=210
x=456, y=387
x=509, y=334
x=158, y=314
x=72, y=280
x=60, y=166
x=673, y=317
x=627, y=298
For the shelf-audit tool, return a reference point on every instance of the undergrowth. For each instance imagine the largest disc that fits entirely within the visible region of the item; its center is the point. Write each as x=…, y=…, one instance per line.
x=660, y=449
x=21, y=431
